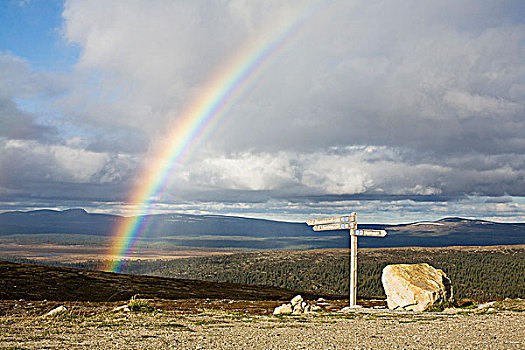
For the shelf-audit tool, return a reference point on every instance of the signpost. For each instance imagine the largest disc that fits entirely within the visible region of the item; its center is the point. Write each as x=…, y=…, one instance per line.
x=347, y=222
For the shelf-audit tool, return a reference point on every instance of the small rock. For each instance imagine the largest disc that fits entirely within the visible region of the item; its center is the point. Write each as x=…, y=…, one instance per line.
x=489, y=304
x=296, y=300
x=296, y=307
x=307, y=308
x=323, y=304
x=297, y=310
x=284, y=309
x=56, y=311
x=123, y=308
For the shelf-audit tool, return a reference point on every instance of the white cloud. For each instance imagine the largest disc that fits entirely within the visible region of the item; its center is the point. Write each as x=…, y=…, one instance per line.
x=30, y=161
x=467, y=104
x=348, y=171
x=246, y=172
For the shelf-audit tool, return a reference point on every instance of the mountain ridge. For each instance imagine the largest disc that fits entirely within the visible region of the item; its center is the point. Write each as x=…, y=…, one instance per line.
x=221, y=231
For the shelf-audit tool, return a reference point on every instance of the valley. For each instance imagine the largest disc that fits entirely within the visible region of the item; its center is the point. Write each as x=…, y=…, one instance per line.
x=78, y=253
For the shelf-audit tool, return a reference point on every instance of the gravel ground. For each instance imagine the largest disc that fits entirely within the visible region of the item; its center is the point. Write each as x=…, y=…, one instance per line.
x=168, y=325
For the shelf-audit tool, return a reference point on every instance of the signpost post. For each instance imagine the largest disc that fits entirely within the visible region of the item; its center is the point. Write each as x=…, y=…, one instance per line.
x=347, y=222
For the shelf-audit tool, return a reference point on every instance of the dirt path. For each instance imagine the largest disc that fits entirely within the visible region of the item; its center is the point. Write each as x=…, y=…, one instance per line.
x=230, y=324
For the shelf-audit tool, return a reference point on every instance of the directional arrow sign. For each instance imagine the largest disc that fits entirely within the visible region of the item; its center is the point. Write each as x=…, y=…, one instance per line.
x=330, y=227
x=338, y=219
x=371, y=233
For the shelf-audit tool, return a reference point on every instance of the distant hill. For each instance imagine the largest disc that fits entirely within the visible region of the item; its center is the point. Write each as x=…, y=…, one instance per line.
x=216, y=231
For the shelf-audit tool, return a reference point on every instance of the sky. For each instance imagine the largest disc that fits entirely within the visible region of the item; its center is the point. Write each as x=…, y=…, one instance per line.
x=398, y=110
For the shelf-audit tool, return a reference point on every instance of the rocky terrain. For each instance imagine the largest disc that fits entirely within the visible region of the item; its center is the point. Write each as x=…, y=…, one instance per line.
x=114, y=311
x=237, y=324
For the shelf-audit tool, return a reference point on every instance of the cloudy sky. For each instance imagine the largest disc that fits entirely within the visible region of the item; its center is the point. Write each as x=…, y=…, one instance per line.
x=398, y=110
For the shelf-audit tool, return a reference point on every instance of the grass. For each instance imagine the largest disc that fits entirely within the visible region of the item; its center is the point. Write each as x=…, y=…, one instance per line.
x=438, y=307
x=139, y=305
x=515, y=305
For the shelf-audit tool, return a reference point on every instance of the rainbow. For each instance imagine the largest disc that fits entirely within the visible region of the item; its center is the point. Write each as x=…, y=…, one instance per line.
x=194, y=125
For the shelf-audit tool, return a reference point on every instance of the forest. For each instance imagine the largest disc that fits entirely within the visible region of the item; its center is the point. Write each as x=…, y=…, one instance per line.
x=478, y=273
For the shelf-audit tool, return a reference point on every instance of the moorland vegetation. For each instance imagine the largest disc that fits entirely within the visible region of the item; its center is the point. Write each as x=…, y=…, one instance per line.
x=478, y=273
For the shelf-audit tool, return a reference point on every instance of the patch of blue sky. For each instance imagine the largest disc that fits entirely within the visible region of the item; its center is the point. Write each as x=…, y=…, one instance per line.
x=40, y=108
x=31, y=30
x=46, y=113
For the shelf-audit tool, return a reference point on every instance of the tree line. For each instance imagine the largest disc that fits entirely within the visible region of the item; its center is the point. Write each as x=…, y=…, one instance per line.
x=479, y=274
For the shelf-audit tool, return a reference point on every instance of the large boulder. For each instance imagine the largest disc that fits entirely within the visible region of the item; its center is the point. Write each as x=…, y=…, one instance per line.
x=415, y=286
